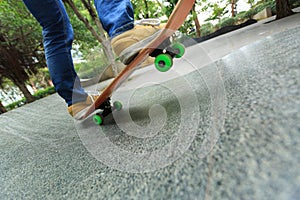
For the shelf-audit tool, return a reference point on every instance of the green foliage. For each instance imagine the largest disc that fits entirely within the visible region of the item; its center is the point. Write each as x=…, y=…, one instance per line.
x=260, y=5
x=217, y=11
x=21, y=44
x=15, y=104
x=228, y=21
x=43, y=93
x=96, y=63
x=169, y=6
x=17, y=13
x=159, y=9
x=147, y=9
x=295, y=3
x=207, y=29
x=38, y=95
x=188, y=26
x=20, y=27
x=245, y=15
x=40, y=79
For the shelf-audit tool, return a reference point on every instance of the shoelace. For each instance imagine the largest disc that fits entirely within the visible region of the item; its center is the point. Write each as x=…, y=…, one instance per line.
x=148, y=22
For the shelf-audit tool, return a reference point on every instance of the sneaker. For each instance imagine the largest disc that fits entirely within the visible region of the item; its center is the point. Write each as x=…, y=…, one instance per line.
x=78, y=109
x=128, y=44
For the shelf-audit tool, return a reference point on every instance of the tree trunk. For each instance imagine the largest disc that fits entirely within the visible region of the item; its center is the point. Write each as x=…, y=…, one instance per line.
x=147, y=9
x=17, y=75
x=105, y=42
x=50, y=84
x=283, y=9
x=25, y=91
x=197, y=23
x=2, y=108
x=232, y=8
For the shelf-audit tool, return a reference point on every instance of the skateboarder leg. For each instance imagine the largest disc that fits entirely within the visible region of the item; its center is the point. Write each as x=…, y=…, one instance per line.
x=117, y=19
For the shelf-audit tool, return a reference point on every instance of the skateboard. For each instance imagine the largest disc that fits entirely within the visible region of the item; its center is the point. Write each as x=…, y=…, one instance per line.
x=161, y=48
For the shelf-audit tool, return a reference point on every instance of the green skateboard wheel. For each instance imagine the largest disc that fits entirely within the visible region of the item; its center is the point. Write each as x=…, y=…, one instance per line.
x=118, y=105
x=97, y=119
x=163, y=62
x=179, y=48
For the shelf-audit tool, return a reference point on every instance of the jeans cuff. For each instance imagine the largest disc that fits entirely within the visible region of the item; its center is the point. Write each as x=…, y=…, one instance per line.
x=122, y=29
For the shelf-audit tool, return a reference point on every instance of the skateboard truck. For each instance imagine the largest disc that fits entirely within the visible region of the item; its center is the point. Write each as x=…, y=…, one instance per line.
x=107, y=109
x=165, y=53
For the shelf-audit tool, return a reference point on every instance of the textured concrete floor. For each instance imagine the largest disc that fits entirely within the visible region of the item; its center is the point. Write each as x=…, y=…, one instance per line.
x=225, y=130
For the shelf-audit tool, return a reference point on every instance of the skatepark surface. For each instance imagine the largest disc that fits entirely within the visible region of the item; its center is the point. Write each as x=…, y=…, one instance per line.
x=223, y=123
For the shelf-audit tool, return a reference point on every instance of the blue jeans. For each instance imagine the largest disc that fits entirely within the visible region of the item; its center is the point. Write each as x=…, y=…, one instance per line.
x=116, y=17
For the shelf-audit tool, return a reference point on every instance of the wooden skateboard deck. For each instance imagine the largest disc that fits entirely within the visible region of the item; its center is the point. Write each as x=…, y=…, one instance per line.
x=174, y=22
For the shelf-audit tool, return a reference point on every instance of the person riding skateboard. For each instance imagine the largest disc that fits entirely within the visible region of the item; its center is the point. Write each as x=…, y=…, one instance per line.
x=117, y=20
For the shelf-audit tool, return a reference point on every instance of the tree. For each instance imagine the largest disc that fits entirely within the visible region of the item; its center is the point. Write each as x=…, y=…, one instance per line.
x=218, y=11
x=283, y=9
x=147, y=9
x=202, y=6
x=233, y=7
x=13, y=67
x=196, y=21
x=251, y=2
x=21, y=47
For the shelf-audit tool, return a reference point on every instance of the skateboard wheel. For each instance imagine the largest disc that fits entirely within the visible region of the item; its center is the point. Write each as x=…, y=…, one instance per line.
x=163, y=62
x=118, y=105
x=179, y=49
x=97, y=118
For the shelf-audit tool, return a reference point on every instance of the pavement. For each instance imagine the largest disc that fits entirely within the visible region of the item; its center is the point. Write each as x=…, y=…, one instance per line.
x=223, y=123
